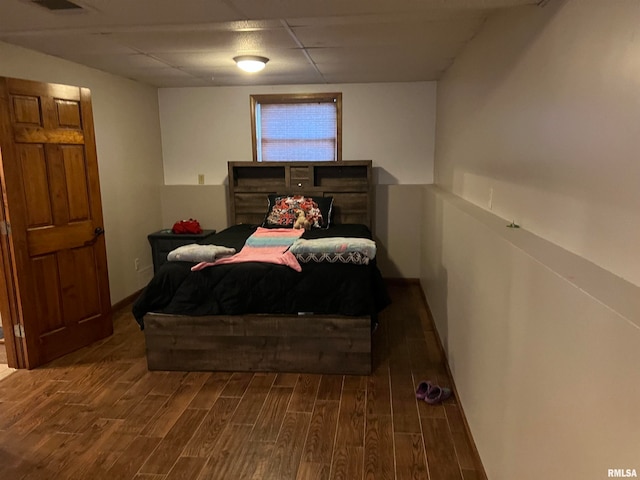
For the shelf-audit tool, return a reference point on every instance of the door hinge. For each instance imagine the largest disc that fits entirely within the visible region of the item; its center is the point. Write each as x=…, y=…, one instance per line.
x=18, y=330
x=5, y=228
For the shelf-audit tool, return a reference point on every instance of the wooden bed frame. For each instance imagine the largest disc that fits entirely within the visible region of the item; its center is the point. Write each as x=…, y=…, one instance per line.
x=330, y=344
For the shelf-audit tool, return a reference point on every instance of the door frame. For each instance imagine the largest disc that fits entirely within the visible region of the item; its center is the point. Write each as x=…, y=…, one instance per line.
x=9, y=306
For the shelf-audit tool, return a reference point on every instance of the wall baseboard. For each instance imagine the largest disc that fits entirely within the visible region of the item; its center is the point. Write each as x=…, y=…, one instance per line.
x=474, y=450
x=125, y=302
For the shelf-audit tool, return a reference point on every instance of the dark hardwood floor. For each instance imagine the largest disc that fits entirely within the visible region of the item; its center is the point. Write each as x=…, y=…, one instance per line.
x=99, y=414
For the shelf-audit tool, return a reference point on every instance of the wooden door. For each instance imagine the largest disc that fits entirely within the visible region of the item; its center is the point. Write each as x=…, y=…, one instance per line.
x=53, y=210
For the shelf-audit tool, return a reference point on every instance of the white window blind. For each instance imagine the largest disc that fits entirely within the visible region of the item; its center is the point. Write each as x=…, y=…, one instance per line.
x=297, y=131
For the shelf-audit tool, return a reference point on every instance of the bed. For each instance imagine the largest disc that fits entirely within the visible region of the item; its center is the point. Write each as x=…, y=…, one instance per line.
x=255, y=316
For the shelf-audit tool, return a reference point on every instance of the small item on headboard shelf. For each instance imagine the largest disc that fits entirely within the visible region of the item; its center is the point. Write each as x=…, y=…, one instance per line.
x=187, y=226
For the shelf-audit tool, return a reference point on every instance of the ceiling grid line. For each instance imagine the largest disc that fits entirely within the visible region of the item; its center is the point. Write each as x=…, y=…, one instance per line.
x=297, y=41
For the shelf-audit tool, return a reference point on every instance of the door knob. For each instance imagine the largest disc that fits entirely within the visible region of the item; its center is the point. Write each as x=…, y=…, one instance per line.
x=96, y=233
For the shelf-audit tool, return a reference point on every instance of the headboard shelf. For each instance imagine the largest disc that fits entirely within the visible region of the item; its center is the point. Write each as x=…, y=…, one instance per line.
x=246, y=177
x=356, y=176
x=348, y=182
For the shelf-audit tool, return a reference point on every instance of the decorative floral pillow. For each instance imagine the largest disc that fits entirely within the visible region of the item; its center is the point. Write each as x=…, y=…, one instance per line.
x=283, y=208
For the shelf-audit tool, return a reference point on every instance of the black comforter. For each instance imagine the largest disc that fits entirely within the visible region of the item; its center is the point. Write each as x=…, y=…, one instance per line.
x=246, y=288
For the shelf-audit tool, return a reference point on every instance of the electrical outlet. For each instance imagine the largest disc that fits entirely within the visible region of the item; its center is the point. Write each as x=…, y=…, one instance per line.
x=136, y=264
x=201, y=179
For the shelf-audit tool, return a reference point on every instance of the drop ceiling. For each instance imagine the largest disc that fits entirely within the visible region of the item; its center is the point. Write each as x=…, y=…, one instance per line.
x=188, y=43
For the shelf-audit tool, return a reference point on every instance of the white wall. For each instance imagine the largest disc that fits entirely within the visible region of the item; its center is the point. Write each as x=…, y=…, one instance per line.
x=544, y=358
x=539, y=118
x=391, y=124
x=538, y=123
x=127, y=126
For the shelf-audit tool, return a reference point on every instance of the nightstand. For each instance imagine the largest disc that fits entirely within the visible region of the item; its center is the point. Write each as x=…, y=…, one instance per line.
x=163, y=241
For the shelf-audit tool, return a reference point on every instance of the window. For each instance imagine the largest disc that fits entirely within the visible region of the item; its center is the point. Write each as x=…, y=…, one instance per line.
x=297, y=127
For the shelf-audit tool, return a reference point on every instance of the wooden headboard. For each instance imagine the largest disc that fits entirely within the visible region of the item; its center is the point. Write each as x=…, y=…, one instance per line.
x=348, y=182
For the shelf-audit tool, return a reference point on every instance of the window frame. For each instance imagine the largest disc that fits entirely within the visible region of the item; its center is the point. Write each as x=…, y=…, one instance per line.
x=289, y=98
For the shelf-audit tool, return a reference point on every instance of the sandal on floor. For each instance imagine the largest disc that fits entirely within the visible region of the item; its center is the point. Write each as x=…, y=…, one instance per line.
x=423, y=390
x=437, y=394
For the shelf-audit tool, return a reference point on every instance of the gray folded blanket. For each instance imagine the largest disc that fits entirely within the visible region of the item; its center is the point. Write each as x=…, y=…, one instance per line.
x=199, y=253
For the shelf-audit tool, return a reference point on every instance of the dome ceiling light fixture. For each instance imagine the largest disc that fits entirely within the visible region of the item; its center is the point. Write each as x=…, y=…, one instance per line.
x=250, y=63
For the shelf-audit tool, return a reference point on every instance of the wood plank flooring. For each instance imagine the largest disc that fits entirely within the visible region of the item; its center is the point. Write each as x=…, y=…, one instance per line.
x=99, y=414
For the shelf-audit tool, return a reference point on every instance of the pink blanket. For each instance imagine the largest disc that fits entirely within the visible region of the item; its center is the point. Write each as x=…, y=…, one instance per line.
x=266, y=245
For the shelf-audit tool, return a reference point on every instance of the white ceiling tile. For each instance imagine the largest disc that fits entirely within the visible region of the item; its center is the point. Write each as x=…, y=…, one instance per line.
x=380, y=77
x=390, y=56
x=171, y=82
x=323, y=8
x=257, y=41
x=288, y=79
x=62, y=44
x=21, y=15
x=449, y=14
x=193, y=42
x=121, y=63
x=278, y=59
x=387, y=33
x=203, y=60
